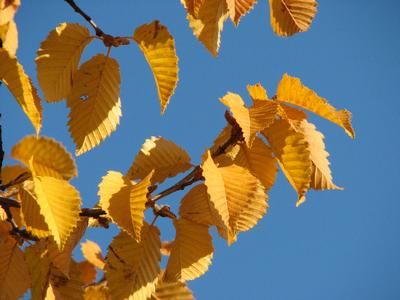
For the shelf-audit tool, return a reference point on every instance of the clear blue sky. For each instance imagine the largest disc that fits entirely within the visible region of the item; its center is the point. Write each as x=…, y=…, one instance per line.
x=339, y=244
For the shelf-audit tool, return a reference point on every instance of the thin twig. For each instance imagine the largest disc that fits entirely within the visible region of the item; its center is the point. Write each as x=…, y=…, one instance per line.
x=1, y=152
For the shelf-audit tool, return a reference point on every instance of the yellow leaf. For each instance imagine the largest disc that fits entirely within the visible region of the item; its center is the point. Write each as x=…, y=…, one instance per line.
x=291, y=90
x=12, y=172
x=195, y=206
x=9, y=37
x=257, y=92
x=172, y=291
x=88, y=272
x=321, y=178
x=291, y=16
x=39, y=268
x=132, y=268
x=292, y=152
x=236, y=207
x=193, y=6
x=291, y=114
x=191, y=253
x=97, y=292
x=208, y=23
x=70, y=287
x=59, y=204
x=251, y=120
x=52, y=293
x=8, y=8
x=94, y=102
x=163, y=156
x=238, y=8
x=92, y=252
x=13, y=76
x=58, y=58
x=14, y=274
x=46, y=156
x=158, y=47
x=124, y=201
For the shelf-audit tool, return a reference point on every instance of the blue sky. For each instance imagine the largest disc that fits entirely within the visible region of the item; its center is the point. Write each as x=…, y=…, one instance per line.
x=339, y=244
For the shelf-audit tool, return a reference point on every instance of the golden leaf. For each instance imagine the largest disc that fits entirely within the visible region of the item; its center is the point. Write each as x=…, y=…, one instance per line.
x=59, y=204
x=191, y=253
x=52, y=293
x=14, y=274
x=291, y=16
x=124, y=201
x=321, y=178
x=132, y=268
x=163, y=156
x=8, y=8
x=238, y=8
x=12, y=172
x=292, y=152
x=39, y=268
x=172, y=291
x=257, y=92
x=236, y=207
x=208, y=23
x=251, y=120
x=195, y=206
x=94, y=102
x=13, y=76
x=88, y=272
x=291, y=90
x=46, y=156
x=97, y=292
x=193, y=6
x=158, y=47
x=92, y=252
x=70, y=287
x=9, y=37
x=58, y=58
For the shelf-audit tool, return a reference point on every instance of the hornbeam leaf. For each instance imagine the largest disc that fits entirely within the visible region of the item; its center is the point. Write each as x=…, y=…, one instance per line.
x=208, y=23
x=92, y=252
x=172, y=291
x=9, y=37
x=321, y=178
x=291, y=16
x=94, y=102
x=46, y=156
x=88, y=272
x=12, y=172
x=291, y=90
x=251, y=120
x=158, y=47
x=13, y=76
x=132, y=268
x=59, y=204
x=67, y=287
x=257, y=92
x=191, y=252
x=293, y=155
x=58, y=58
x=8, y=9
x=193, y=6
x=97, y=292
x=14, y=274
x=124, y=201
x=237, y=207
x=238, y=8
x=163, y=156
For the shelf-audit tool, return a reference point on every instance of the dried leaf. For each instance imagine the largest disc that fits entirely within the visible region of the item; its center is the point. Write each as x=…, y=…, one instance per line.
x=70, y=287
x=292, y=91
x=158, y=47
x=191, y=253
x=208, y=23
x=238, y=8
x=8, y=8
x=193, y=6
x=291, y=16
x=88, y=272
x=132, y=268
x=12, y=172
x=163, y=156
x=124, y=201
x=92, y=252
x=46, y=156
x=9, y=37
x=257, y=92
x=166, y=248
x=58, y=58
x=97, y=292
x=13, y=76
x=59, y=204
x=172, y=291
x=94, y=102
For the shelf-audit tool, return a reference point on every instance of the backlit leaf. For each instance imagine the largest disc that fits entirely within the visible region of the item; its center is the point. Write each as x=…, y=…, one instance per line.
x=291, y=16
x=46, y=156
x=87, y=271
x=94, y=102
x=132, y=268
x=257, y=92
x=97, y=292
x=163, y=156
x=92, y=252
x=58, y=58
x=208, y=23
x=12, y=172
x=9, y=37
x=59, y=204
x=13, y=76
x=8, y=8
x=124, y=201
x=292, y=152
x=158, y=46
x=172, y=291
x=193, y=6
x=292, y=91
x=238, y=8
x=191, y=252
x=68, y=287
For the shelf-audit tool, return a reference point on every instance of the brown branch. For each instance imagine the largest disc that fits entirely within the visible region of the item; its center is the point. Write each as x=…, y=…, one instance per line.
x=1, y=152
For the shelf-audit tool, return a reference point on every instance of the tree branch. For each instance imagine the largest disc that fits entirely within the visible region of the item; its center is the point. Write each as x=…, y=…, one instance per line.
x=1, y=153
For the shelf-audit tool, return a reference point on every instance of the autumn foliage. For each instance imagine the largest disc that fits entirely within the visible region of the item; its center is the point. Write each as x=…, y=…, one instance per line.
x=42, y=216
